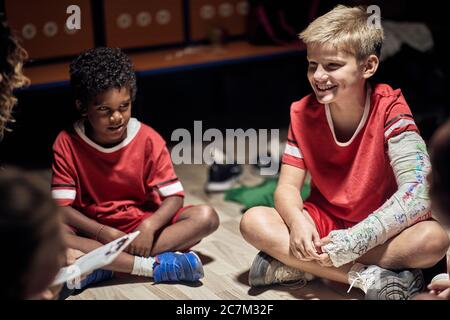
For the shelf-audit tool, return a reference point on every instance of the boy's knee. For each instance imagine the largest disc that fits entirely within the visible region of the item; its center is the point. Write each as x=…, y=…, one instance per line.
x=208, y=217
x=250, y=220
x=434, y=241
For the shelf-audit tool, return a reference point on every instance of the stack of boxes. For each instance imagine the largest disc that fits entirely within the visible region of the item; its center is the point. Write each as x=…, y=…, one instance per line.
x=42, y=25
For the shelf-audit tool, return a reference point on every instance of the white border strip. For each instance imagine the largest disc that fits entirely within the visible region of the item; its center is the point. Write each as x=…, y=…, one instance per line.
x=61, y=194
x=132, y=129
x=360, y=125
x=171, y=189
x=398, y=124
x=293, y=151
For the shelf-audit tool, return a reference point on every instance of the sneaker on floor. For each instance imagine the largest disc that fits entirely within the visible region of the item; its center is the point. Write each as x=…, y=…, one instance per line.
x=266, y=270
x=175, y=266
x=222, y=177
x=96, y=276
x=397, y=286
x=383, y=284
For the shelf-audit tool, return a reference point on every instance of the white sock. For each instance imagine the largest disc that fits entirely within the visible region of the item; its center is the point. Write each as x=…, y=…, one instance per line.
x=143, y=266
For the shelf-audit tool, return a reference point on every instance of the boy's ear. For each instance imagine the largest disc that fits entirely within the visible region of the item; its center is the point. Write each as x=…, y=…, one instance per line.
x=81, y=108
x=371, y=66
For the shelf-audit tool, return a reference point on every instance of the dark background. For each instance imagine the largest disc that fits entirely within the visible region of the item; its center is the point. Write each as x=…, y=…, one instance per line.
x=246, y=94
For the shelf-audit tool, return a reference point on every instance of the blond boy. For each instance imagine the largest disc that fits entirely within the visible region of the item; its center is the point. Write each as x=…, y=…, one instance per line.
x=368, y=212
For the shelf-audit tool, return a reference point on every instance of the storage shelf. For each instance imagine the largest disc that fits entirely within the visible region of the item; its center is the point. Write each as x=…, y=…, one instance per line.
x=166, y=61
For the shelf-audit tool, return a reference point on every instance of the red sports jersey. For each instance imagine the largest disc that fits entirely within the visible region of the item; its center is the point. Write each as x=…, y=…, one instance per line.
x=349, y=180
x=118, y=186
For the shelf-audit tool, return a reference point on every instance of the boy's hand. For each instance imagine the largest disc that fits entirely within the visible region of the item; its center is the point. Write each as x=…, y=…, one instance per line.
x=143, y=244
x=304, y=239
x=51, y=293
x=325, y=260
x=339, y=245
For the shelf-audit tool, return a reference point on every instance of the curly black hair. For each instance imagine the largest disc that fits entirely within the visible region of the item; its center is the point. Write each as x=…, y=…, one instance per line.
x=100, y=69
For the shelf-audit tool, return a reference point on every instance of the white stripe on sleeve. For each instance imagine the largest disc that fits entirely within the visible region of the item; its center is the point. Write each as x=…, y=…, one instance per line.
x=62, y=194
x=171, y=189
x=398, y=124
x=293, y=151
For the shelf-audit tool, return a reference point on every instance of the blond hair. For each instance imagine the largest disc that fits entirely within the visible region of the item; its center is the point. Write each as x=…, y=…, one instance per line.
x=12, y=58
x=347, y=28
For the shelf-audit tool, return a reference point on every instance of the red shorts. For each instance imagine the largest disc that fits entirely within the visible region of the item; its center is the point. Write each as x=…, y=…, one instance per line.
x=325, y=223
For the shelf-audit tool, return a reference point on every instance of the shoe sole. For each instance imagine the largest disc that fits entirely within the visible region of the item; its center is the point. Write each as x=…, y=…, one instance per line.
x=396, y=288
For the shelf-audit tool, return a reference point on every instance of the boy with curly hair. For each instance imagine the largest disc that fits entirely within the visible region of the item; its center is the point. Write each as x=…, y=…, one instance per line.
x=367, y=220
x=113, y=174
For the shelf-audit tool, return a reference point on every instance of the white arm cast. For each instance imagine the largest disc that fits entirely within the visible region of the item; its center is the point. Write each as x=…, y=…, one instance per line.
x=409, y=204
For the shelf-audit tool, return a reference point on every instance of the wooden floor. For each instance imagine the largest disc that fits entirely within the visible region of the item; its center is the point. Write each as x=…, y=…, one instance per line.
x=226, y=258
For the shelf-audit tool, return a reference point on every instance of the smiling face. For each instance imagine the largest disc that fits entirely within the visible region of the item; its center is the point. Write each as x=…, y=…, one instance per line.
x=108, y=115
x=335, y=75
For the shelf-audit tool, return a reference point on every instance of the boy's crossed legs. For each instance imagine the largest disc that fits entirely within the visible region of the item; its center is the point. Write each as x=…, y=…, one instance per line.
x=420, y=246
x=192, y=225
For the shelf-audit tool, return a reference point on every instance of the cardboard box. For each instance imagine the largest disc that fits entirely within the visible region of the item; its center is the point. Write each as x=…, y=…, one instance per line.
x=143, y=23
x=206, y=15
x=42, y=27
